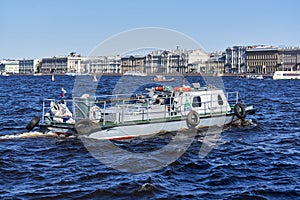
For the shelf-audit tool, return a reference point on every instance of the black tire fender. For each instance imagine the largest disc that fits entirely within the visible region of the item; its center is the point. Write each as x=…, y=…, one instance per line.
x=84, y=126
x=33, y=122
x=239, y=111
x=193, y=118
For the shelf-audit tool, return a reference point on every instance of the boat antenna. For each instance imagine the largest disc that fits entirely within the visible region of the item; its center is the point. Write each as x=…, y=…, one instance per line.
x=183, y=80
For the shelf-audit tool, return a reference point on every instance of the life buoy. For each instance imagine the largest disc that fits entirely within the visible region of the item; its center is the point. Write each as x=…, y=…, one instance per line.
x=95, y=114
x=239, y=111
x=158, y=88
x=33, y=122
x=193, y=119
x=84, y=126
x=182, y=89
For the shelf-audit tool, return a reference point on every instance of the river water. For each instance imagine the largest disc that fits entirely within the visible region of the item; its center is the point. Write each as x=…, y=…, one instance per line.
x=258, y=161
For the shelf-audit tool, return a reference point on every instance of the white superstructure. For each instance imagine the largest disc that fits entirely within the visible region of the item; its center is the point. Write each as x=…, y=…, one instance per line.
x=287, y=75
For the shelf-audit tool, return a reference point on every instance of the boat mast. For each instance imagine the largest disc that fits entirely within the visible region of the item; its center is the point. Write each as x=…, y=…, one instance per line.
x=296, y=58
x=183, y=80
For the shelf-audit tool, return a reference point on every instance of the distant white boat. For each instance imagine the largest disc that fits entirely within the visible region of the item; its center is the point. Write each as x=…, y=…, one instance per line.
x=71, y=74
x=160, y=78
x=134, y=73
x=286, y=75
x=4, y=74
x=260, y=77
x=95, y=78
x=37, y=74
x=75, y=74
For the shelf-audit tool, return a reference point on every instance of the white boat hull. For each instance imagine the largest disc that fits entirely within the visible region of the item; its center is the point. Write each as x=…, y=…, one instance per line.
x=286, y=75
x=63, y=130
x=137, y=130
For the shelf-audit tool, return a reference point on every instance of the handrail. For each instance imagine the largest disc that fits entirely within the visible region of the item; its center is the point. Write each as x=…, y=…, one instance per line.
x=141, y=108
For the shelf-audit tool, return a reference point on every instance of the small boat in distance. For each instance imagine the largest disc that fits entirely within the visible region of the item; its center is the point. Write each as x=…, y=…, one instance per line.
x=95, y=78
x=259, y=77
x=161, y=78
x=72, y=74
x=4, y=74
x=37, y=74
x=286, y=75
x=134, y=73
x=123, y=116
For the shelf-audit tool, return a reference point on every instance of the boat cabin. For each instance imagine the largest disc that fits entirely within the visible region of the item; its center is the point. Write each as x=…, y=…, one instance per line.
x=161, y=102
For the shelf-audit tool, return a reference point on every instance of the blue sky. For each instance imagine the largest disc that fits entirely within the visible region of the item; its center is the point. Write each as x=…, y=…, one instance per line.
x=41, y=28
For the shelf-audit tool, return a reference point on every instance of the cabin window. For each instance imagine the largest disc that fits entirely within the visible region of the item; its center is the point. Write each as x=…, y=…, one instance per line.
x=196, y=101
x=220, y=100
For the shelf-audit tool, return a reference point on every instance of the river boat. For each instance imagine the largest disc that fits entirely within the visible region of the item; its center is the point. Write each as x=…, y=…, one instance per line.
x=4, y=74
x=134, y=73
x=161, y=78
x=72, y=74
x=259, y=77
x=95, y=78
x=37, y=74
x=159, y=109
x=286, y=75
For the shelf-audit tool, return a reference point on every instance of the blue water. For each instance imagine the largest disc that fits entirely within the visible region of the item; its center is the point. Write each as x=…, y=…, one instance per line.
x=259, y=161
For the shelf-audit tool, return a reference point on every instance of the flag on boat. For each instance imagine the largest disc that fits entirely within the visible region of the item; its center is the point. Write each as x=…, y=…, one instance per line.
x=63, y=92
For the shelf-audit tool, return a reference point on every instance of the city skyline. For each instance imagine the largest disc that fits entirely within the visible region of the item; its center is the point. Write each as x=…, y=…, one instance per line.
x=51, y=28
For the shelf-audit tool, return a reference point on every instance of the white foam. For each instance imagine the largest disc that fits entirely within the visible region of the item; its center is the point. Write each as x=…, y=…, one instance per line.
x=27, y=135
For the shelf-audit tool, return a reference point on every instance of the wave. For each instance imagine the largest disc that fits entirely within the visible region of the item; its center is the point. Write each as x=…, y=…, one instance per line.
x=27, y=135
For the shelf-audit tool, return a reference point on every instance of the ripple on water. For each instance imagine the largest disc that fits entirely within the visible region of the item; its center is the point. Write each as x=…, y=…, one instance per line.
x=260, y=161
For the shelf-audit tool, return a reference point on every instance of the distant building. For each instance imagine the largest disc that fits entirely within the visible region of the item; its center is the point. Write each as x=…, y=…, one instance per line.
x=11, y=66
x=262, y=59
x=61, y=65
x=289, y=59
x=235, y=61
x=133, y=63
x=101, y=65
x=166, y=62
x=215, y=64
x=55, y=65
x=197, y=60
x=28, y=66
x=74, y=63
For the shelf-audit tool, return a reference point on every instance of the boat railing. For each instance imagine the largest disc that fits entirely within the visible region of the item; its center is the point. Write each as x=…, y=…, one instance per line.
x=126, y=110
x=234, y=98
x=49, y=104
x=120, y=109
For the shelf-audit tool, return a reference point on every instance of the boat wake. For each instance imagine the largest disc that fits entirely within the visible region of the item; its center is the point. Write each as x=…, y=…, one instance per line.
x=27, y=135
